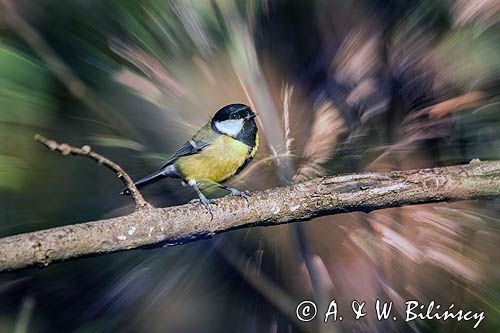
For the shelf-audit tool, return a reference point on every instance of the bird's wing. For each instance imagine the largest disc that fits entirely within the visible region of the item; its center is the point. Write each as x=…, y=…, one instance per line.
x=198, y=142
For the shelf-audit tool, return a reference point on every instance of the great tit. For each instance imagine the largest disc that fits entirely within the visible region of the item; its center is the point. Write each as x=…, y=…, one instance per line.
x=218, y=151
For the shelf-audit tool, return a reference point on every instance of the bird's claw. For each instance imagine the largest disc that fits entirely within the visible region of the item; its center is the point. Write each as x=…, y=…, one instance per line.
x=205, y=202
x=244, y=194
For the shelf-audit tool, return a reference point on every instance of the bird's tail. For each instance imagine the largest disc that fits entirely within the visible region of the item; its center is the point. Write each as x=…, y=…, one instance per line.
x=149, y=179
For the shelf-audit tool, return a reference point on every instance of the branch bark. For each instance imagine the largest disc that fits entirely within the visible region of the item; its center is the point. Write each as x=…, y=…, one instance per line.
x=303, y=201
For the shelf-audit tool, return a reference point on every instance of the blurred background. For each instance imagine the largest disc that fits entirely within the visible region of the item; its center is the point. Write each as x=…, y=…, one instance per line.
x=339, y=86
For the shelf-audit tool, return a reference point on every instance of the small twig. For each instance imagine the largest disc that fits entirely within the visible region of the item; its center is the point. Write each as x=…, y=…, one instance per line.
x=86, y=151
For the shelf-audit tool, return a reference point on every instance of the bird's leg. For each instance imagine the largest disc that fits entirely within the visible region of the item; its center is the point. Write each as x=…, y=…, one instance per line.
x=203, y=199
x=235, y=192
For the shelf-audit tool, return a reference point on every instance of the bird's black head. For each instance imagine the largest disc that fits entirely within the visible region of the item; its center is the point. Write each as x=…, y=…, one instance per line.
x=233, y=112
x=236, y=121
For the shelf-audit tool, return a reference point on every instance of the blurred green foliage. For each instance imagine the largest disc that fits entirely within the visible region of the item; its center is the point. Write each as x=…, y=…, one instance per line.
x=25, y=89
x=27, y=102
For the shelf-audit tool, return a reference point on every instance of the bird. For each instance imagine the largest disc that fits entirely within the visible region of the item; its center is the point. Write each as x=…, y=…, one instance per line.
x=220, y=149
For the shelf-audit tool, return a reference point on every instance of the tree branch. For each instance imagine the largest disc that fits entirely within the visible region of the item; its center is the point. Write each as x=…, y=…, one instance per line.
x=303, y=201
x=86, y=151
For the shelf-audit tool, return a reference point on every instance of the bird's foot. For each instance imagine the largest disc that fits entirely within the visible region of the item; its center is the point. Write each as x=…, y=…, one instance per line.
x=202, y=198
x=197, y=200
x=235, y=192
x=205, y=202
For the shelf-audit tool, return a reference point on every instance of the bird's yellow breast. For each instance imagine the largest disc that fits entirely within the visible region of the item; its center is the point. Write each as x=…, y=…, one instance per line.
x=217, y=162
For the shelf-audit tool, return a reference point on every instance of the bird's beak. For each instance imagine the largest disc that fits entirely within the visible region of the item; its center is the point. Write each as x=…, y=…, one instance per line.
x=252, y=116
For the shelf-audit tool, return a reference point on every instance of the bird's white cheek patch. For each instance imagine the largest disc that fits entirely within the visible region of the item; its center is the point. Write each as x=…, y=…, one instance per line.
x=230, y=127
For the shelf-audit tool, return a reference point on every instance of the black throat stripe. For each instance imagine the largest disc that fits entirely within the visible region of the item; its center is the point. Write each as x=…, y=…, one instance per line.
x=248, y=133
